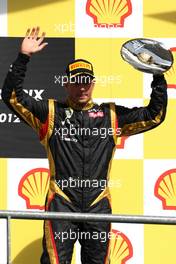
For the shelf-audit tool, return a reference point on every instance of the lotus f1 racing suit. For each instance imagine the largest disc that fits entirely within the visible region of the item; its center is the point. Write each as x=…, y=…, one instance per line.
x=77, y=154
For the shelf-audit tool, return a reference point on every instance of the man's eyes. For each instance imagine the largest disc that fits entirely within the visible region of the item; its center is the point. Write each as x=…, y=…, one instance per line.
x=79, y=83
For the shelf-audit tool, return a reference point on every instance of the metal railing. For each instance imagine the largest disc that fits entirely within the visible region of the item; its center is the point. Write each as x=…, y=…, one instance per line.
x=81, y=217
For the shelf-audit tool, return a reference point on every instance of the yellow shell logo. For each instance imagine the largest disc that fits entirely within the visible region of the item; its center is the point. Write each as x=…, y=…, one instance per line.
x=33, y=188
x=109, y=13
x=171, y=74
x=165, y=189
x=121, y=248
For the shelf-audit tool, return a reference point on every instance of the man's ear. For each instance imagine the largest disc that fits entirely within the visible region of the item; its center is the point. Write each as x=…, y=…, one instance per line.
x=93, y=83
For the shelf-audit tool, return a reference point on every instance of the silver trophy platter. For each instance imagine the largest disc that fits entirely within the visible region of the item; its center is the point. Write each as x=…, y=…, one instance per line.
x=147, y=55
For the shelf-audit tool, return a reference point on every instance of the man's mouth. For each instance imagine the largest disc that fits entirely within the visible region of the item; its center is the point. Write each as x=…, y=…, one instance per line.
x=82, y=95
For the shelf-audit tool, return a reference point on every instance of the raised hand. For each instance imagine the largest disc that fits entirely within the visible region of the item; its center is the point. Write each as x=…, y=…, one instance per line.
x=32, y=43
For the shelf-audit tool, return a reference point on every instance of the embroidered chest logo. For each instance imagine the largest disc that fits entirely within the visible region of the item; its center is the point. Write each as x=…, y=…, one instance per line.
x=67, y=131
x=95, y=113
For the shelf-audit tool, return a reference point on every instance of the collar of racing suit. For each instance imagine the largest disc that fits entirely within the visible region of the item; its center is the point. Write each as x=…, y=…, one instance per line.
x=76, y=106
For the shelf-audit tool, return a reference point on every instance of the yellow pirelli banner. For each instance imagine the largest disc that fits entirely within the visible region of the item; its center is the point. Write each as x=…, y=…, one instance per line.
x=143, y=173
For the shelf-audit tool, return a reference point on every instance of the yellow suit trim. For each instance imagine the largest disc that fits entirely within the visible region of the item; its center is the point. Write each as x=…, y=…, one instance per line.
x=25, y=113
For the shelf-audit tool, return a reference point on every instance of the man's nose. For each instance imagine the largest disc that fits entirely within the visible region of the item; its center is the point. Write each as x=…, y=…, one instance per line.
x=82, y=88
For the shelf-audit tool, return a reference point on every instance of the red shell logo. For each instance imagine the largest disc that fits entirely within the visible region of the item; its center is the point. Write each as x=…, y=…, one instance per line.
x=165, y=189
x=121, y=142
x=33, y=188
x=109, y=13
x=121, y=248
x=171, y=74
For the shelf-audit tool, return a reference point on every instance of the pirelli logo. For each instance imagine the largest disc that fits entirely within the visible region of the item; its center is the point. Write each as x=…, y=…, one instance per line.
x=78, y=65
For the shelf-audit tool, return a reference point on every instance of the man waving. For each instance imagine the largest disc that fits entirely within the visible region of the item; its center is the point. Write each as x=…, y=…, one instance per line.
x=79, y=156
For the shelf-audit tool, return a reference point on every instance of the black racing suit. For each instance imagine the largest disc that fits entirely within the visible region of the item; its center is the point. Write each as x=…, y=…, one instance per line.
x=80, y=144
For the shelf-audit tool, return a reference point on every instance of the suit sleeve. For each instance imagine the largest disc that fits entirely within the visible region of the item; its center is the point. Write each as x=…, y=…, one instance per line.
x=34, y=113
x=140, y=119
